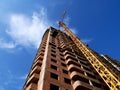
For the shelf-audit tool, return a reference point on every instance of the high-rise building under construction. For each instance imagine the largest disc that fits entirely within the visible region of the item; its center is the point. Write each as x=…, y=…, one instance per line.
x=61, y=65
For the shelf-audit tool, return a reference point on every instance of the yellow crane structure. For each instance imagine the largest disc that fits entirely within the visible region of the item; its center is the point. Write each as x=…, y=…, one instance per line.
x=109, y=77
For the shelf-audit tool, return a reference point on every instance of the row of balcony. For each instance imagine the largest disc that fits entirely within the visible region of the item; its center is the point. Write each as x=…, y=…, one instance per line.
x=77, y=74
x=74, y=60
x=33, y=77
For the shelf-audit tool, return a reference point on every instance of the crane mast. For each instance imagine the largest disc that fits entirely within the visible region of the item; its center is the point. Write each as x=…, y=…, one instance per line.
x=108, y=77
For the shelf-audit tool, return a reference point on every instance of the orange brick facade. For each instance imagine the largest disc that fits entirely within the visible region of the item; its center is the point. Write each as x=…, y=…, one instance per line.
x=60, y=65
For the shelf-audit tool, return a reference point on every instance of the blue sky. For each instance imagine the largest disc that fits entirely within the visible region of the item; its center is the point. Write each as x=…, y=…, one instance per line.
x=23, y=22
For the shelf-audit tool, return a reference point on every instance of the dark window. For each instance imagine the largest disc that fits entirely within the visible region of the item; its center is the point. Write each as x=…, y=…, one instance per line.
x=42, y=54
x=63, y=64
x=64, y=71
x=53, y=60
x=87, y=69
x=53, y=55
x=67, y=81
x=40, y=58
x=43, y=47
x=54, y=87
x=84, y=80
x=106, y=88
x=53, y=67
x=42, y=50
x=53, y=51
x=53, y=47
x=62, y=59
x=96, y=84
x=83, y=63
x=61, y=55
x=90, y=75
x=55, y=76
x=54, y=34
x=81, y=79
x=53, y=43
x=60, y=49
x=44, y=42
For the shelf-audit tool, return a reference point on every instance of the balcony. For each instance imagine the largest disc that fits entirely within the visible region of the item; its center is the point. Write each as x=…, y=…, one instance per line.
x=36, y=69
x=81, y=82
x=38, y=57
x=79, y=76
x=70, y=57
x=37, y=63
x=79, y=85
x=66, y=48
x=69, y=53
x=72, y=68
x=62, y=45
x=33, y=79
x=32, y=86
x=82, y=57
x=70, y=61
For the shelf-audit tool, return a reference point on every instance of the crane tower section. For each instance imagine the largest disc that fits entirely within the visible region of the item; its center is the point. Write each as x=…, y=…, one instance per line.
x=109, y=77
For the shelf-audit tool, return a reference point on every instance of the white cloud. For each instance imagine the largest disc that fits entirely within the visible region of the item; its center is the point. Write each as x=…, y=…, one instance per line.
x=7, y=45
x=28, y=31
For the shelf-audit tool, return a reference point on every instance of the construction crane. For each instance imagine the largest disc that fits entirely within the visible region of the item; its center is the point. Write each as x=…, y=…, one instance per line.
x=109, y=78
